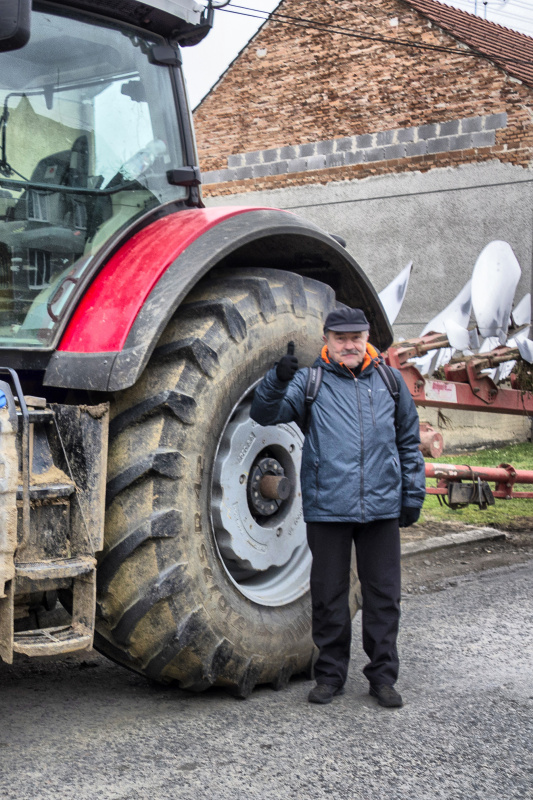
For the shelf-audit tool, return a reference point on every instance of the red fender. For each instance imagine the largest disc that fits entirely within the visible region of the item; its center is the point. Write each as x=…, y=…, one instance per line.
x=107, y=311
x=118, y=321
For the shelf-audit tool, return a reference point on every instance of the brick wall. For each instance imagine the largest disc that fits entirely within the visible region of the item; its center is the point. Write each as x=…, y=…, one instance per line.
x=300, y=106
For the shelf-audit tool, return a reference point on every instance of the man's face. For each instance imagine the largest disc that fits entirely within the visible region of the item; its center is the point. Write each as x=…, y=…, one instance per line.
x=348, y=348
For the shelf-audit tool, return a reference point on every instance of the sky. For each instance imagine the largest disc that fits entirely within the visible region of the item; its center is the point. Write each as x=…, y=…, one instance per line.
x=204, y=63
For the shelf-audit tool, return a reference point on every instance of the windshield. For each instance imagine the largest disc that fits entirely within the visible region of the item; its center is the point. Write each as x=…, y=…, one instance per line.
x=88, y=131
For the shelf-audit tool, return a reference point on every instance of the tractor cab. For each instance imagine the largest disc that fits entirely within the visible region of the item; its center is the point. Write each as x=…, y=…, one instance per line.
x=94, y=134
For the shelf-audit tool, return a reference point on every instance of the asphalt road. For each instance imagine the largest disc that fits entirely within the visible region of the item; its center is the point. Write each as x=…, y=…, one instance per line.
x=87, y=729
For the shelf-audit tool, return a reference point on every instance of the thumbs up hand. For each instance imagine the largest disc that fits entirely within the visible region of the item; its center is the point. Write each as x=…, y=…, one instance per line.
x=287, y=366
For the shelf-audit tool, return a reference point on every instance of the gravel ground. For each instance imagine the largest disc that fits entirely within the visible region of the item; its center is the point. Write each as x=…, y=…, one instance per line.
x=84, y=728
x=436, y=570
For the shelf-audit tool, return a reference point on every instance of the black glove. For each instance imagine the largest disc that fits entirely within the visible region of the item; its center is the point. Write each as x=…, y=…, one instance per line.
x=287, y=366
x=408, y=516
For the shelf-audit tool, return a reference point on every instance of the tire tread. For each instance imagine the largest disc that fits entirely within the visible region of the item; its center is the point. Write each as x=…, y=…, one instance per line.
x=225, y=304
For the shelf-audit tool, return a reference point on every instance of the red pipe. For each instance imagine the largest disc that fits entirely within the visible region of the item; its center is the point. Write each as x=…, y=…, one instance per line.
x=504, y=476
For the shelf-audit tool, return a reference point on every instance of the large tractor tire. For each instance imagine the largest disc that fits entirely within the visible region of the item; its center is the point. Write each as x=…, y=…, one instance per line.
x=203, y=579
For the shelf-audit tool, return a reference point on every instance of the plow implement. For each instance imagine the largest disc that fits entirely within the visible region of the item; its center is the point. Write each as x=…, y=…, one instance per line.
x=475, y=355
x=465, y=384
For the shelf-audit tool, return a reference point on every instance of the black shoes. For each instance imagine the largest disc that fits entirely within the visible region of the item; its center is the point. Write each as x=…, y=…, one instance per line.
x=387, y=696
x=324, y=693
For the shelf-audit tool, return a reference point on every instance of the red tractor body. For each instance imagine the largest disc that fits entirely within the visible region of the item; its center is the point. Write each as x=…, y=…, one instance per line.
x=134, y=325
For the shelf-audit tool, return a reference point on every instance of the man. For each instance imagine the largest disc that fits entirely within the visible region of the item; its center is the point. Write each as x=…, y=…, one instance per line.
x=362, y=479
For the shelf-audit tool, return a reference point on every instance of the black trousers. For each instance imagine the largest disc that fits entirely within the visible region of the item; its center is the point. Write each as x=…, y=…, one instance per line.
x=377, y=547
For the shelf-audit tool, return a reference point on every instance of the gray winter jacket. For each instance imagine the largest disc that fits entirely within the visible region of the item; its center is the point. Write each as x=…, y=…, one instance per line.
x=358, y=465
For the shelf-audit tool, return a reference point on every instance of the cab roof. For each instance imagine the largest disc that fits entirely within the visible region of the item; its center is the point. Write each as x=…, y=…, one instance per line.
x=184, y=21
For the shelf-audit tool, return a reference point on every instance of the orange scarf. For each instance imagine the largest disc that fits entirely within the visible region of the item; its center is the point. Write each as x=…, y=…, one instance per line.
x=371, y=354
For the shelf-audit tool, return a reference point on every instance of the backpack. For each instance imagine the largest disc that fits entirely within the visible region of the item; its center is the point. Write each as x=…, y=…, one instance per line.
x=314, y=379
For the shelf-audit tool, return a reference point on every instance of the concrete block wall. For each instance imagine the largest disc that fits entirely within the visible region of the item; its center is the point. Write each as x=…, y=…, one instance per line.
x=452, y=135
x=440, y=219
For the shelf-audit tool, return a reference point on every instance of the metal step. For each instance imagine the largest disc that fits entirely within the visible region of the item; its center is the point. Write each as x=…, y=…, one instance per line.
x=55, y=568
x=51, y=641
x=40, y=415
x=48, y=491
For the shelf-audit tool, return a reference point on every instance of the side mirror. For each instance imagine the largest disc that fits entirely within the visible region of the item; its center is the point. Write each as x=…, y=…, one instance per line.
x=14, y=24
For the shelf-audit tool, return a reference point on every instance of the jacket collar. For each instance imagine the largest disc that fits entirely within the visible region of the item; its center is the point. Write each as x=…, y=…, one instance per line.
x=372, y=357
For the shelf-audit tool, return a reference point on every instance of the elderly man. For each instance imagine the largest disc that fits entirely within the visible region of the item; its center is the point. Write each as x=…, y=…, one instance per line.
x=362, y=479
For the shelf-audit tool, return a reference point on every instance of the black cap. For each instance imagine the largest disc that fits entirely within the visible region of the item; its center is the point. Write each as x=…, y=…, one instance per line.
x=346, y=320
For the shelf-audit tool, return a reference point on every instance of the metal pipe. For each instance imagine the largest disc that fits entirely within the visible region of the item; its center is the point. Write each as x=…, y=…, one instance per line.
x=463, y=472
x=504, y=476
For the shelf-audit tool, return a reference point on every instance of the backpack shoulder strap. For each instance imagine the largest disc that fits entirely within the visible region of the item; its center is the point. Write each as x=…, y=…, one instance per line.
x=391, y=382
x=314, y=379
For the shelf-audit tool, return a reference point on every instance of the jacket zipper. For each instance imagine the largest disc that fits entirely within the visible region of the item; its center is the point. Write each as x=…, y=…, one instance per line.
x=362, y=448
x=372, y=407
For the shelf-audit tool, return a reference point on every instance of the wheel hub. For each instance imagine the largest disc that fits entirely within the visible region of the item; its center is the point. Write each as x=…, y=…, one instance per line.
x=267, y=487
x=256, y=508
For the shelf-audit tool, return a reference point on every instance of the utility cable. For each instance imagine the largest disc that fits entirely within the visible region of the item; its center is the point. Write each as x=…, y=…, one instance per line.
x=408, y=195
x=504, y=9
x=373, y=37
x=308, y=24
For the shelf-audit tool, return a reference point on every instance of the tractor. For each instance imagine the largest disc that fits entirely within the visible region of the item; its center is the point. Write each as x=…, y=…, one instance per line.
x=136, y=494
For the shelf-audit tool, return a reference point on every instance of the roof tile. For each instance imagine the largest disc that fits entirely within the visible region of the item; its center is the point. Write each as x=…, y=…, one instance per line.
x=508, y=49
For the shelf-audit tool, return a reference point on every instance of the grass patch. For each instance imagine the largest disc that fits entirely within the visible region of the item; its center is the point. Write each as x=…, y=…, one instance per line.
x=507, y=514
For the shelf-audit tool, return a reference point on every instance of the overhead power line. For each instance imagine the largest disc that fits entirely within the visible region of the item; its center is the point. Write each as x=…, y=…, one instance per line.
x=496, y=15
x=326, y=27
x=472, y=5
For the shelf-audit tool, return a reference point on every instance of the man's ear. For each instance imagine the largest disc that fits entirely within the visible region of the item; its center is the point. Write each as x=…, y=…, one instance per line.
x=325, y=338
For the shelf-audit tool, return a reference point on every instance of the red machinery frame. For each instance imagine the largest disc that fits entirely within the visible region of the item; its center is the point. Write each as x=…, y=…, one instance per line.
x=465, y=387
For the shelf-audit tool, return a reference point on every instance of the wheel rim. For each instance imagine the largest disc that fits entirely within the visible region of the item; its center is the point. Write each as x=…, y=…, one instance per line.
x=261, y=539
